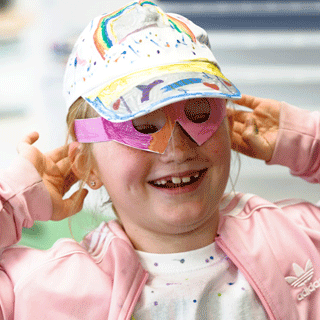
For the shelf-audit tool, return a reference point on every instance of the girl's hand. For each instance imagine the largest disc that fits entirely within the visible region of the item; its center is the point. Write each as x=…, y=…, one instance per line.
x=55, y=169
x=254, y=133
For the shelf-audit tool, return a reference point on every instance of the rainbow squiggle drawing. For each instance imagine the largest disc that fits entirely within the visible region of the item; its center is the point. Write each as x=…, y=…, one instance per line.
x=181, y=27
x=104, y=36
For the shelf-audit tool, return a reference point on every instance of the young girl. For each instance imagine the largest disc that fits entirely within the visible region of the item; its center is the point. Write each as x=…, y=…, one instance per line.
x=147, y=114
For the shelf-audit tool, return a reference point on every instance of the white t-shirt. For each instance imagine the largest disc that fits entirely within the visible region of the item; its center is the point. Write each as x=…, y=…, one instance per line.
x=201, y=284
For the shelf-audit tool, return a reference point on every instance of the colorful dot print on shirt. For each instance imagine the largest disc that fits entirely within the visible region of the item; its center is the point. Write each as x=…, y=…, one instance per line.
x=201, y=284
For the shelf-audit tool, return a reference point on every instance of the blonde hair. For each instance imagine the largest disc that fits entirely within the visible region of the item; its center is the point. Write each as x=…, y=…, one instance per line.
x=80, y=109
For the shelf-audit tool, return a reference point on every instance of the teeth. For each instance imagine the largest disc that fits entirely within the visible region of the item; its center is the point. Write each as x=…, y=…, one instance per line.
x=176, y=180
x=186, y=179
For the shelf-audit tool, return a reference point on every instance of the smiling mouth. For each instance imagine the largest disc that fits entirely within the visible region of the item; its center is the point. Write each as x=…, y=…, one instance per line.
x=178, y=182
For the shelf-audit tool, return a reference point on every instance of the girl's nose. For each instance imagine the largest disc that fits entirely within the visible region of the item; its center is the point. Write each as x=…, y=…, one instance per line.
x=180, y=147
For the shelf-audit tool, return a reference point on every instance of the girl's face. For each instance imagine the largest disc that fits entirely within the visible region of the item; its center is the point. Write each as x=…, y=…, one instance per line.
x=170, y=193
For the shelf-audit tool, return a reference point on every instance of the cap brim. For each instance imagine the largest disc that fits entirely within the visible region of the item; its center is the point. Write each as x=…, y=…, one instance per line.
x=142, y=92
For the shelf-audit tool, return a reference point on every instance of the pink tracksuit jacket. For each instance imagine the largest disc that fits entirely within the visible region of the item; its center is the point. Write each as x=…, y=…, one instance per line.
x=275, y=245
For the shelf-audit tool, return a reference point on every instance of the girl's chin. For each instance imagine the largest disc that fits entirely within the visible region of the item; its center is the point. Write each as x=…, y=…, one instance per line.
x=185, y=216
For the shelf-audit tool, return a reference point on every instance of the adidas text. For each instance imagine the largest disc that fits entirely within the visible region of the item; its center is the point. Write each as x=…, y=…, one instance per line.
x=308, y=290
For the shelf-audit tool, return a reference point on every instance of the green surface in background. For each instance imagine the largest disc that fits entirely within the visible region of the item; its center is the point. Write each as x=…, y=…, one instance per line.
x=42, y=235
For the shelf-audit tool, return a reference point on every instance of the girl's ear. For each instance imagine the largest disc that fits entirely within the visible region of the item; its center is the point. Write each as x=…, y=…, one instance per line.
x=81, y=167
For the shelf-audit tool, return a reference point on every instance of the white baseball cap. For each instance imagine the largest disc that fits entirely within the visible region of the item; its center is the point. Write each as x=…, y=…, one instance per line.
x=138, y=59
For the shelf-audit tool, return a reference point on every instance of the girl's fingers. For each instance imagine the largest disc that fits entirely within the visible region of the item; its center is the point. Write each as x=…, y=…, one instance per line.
x=58, y=154
x=248, y=101
x=31, y=137
x=27, y=140
x=69, y=180
x=239, y=145
x=251, y=132
x=238, y=127
x=244, y=136
x=250, y=142
x=239, y=115
x=78, y=197
x=64, y=166
x=70, y=206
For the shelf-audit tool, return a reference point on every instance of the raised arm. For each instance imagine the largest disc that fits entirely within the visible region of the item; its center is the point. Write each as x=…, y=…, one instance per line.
x=279, y=134
x=33, y=189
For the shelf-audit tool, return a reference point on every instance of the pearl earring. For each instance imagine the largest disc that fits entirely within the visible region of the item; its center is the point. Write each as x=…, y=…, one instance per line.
x=92, y=183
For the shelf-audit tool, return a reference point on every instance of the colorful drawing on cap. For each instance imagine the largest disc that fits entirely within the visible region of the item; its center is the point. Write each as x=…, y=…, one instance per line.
x=207, y=75
x=227, y=83
x=79, y=61
x=116, y=105
x=103, y=99
x=135, y=52
x=157, y=44
x=104, y=37
x=143, y=2
x=125, y=104
x=181, y=27
x=211, y=85
x=183, y=90
x=181, y=83
x=147, y=88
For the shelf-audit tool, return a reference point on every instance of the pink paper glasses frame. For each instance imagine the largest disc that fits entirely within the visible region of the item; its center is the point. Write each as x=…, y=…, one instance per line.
x=99, y=129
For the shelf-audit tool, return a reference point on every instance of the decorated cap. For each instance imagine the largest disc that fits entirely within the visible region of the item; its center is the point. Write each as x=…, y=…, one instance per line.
x=138, y=59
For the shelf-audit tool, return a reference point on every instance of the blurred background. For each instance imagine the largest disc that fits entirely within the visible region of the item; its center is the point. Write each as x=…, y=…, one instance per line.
x=267, y=48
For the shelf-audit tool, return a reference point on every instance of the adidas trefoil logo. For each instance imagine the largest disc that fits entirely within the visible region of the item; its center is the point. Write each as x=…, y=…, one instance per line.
x=302, y=277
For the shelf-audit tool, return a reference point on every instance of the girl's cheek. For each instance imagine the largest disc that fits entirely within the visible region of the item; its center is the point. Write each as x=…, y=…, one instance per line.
x=220, y=145
x=117, y=160
x=221, y=153
x=216, y=151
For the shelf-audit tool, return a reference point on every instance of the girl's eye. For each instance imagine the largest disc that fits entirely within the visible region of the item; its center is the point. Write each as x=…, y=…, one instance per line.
x=146, y=128
x=197, y=110
x=150, y=123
